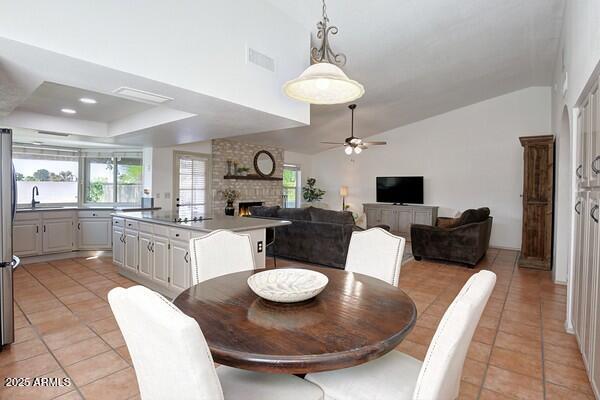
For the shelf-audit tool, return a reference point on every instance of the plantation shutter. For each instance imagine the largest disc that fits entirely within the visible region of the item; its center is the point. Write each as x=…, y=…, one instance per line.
x=191, y=196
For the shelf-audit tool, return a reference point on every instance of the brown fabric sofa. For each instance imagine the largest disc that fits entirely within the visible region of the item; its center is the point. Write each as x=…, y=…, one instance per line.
x=464, y=240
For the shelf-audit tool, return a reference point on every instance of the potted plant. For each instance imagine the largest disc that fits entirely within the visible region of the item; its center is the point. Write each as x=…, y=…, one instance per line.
x=243, y=171
x=310, y=193
x=229, y=195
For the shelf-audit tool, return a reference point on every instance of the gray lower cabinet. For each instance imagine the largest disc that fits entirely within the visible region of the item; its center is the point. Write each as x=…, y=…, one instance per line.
x=399, y=217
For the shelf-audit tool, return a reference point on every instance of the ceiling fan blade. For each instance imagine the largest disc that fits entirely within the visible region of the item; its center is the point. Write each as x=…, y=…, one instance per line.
x=338, y=143
x=374, y=143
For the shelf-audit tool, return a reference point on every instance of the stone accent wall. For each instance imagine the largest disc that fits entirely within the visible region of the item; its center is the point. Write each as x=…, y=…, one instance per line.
x=269, y=192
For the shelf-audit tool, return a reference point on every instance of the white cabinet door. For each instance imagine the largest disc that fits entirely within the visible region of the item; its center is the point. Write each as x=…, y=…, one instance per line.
x=160, y=251
x=594, y=152
x=57, y=235
x=405, y=218
x=179, y=266
x=577, y=265
x=146, y=261
x=591, y=278
x=118, y=246
x=423, y=218
x=373, y=216
x=94, y=233
x=27, y=240
x=131, y=250
x=390, y=217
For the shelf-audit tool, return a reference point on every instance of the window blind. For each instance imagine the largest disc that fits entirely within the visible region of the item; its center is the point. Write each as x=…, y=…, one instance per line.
x=192, y=184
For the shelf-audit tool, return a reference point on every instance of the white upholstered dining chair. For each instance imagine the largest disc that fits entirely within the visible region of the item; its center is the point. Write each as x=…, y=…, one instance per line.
x=377, y=253
x=173, y=361
x=220, y=252
x=397, y=376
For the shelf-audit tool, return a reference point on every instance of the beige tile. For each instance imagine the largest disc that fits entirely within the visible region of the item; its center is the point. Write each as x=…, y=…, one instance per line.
x=518, y=344
x=572, y=378
x=61, y=385
x=118, y=386
x=30, y=367
x=479, y=351
x=21, y=351
x=104, y=325
x=525, y=364
x=80, y=351
x=555, y=392
x=114, y=338
x=473, y=372
x=96, y=367
x=513, y=385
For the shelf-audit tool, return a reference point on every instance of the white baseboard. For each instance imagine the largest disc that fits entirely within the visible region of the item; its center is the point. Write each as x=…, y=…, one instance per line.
x=66, y=255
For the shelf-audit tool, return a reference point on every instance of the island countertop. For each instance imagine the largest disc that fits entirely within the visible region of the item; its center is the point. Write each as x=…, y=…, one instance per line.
x=235, y=224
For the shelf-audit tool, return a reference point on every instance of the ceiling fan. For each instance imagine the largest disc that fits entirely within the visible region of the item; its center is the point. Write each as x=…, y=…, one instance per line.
x=353, y=143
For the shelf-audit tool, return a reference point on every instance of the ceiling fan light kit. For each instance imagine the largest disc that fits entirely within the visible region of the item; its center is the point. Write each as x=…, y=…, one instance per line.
x=355, y=144
x=324, y=82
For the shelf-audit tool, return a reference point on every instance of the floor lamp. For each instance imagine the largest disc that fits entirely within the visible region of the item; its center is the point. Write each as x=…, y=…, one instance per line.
x=344, y=193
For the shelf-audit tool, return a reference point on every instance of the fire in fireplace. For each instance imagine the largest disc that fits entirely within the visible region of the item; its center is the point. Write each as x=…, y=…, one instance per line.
x=245, y=207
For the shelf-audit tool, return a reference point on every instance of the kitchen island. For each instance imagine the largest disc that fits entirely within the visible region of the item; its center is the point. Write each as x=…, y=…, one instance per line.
x=152, y=247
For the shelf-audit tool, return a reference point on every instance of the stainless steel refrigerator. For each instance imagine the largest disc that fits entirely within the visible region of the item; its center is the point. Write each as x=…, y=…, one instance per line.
x=8, y=262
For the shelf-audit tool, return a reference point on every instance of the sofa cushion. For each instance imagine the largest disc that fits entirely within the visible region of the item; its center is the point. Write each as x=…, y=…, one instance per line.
x=330, y=216
x=298, y=214
x=471, y=216
x=264, y=211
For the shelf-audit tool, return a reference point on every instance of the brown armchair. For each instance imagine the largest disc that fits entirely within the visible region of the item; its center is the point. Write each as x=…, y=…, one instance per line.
x=464, y=241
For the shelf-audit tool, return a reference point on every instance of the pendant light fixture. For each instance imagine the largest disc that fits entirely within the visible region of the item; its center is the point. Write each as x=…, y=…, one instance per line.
x=324, y=82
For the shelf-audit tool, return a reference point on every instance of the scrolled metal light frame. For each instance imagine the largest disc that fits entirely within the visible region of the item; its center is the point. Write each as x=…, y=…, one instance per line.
x=324, y=53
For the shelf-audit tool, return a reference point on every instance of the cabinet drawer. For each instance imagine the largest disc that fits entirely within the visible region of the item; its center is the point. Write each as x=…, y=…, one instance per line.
x=144, y=227
x=57, y=214
x=28, y=216
x=179, y=234
x=94, y=214
x=131, y=224
x=161, y=230
x=118, y=222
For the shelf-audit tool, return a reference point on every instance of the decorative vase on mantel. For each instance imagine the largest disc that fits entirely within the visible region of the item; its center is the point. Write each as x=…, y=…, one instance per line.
x=229, y=210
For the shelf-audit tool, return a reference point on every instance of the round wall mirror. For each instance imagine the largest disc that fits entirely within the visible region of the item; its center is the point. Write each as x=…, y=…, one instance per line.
x=264, y=163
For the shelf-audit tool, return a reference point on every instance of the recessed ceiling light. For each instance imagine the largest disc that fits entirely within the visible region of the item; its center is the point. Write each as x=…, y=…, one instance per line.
x=68, y=111
x=87, y=100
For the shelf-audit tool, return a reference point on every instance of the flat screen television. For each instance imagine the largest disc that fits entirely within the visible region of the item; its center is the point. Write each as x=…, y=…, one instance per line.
x=400, y=189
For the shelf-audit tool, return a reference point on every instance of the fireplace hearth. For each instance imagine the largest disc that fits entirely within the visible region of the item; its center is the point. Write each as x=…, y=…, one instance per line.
x=244, y=207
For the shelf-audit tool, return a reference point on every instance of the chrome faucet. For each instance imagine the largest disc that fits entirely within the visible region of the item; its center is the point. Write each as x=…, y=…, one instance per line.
x=34, y=192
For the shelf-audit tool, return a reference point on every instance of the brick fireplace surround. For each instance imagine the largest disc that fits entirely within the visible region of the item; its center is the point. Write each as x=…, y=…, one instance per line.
x=268, y=192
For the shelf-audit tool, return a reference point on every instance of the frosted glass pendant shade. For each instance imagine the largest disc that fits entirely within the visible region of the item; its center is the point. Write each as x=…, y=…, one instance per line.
x=323, y=83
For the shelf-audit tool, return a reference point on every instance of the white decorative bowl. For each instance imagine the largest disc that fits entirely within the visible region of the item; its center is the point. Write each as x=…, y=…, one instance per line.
x=287, y=285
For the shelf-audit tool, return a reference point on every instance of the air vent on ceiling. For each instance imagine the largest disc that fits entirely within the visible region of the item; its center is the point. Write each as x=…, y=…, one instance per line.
x=53, y=133
x=260, y=59
x=142, y=95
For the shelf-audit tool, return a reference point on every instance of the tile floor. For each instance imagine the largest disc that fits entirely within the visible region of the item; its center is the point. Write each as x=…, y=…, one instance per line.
x=65, y=329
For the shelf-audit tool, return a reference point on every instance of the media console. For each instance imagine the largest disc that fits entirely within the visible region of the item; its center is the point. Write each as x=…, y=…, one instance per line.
x=399, y=217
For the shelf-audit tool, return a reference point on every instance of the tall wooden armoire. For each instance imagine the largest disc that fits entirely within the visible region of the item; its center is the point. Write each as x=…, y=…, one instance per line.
x=538, y=218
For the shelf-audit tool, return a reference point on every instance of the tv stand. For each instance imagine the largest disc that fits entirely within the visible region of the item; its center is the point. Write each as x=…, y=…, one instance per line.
x=400, y=216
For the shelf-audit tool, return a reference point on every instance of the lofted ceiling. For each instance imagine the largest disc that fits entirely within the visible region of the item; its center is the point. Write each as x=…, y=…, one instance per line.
x=419, y=58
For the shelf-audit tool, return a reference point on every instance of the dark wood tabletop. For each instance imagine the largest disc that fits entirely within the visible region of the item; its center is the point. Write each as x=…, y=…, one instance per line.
x=355, y=319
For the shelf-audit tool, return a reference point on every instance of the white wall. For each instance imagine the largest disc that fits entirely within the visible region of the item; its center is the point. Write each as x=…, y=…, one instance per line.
x=162, y=170
x=578, y=56
x=469, y=157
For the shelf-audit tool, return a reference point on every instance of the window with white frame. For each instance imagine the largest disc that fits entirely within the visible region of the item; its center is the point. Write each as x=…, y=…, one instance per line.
x=54, y=172
x=191, y=183
x=291, y=186
x=112, y=178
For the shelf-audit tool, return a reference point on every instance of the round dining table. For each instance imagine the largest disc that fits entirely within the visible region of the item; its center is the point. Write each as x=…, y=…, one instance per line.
x=356, y=318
